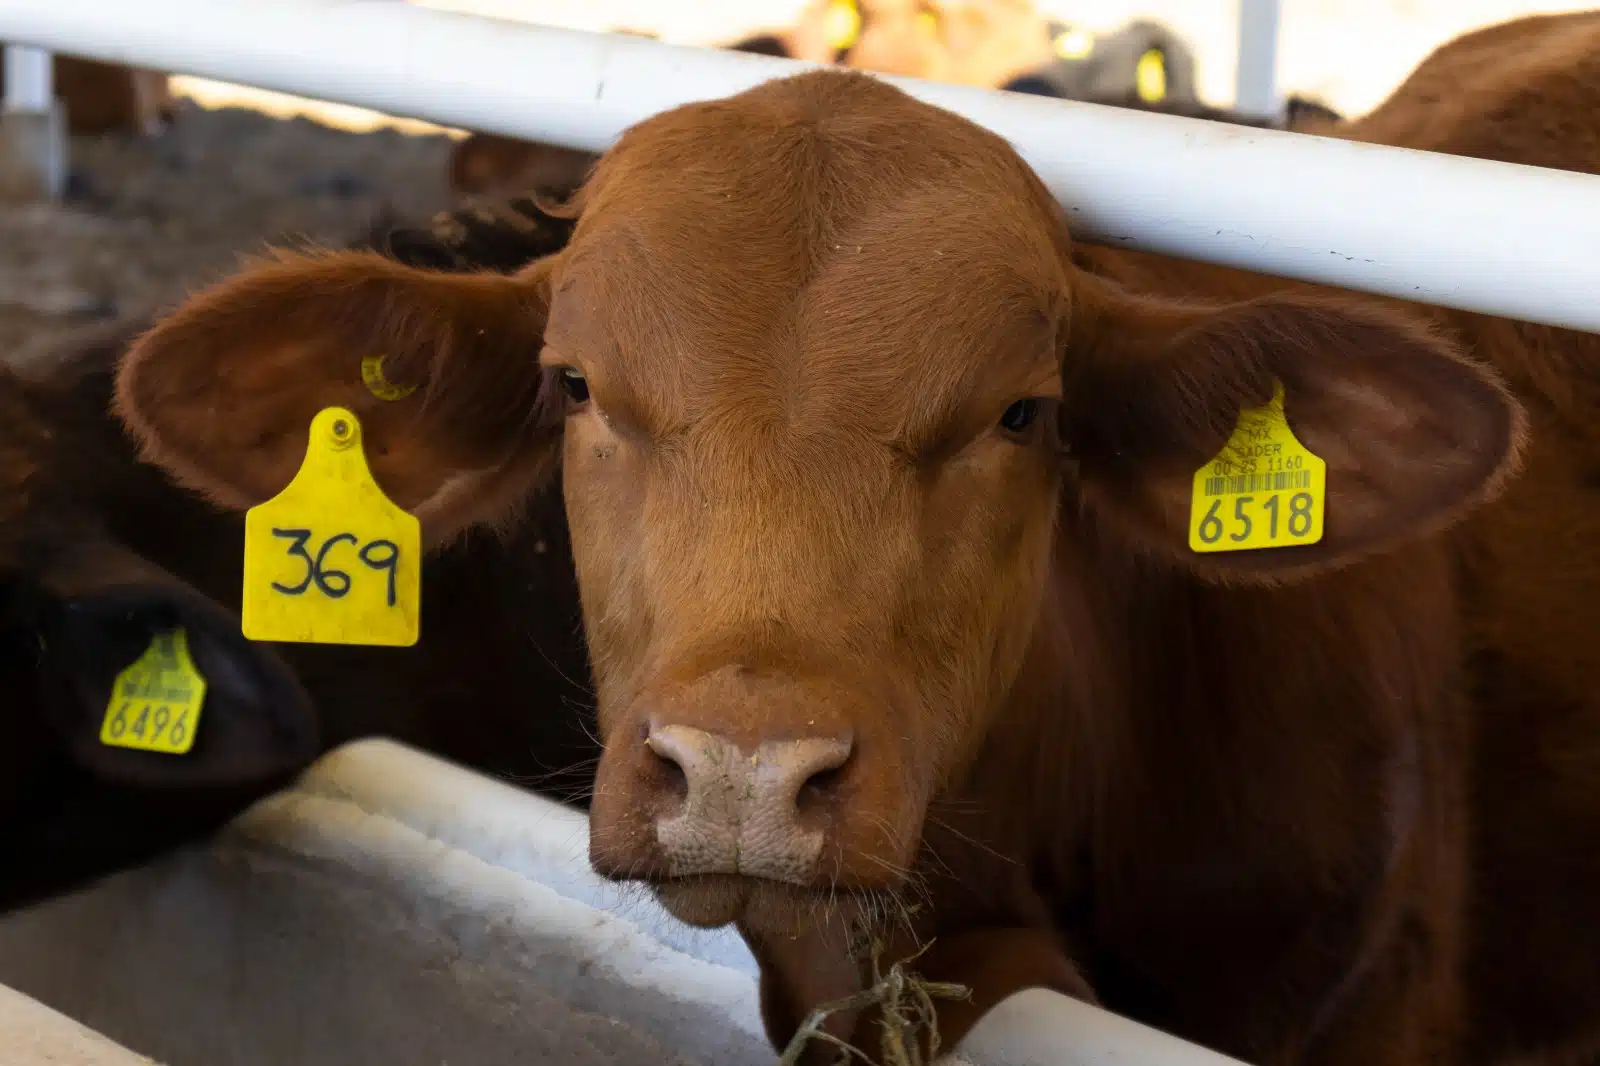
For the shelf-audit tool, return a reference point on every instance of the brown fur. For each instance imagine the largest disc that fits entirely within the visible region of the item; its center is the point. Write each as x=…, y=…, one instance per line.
x=1331, y=804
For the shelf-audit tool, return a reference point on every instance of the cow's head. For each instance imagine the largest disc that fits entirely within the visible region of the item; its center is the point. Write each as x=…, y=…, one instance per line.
x=831, y=399
x=76, y=609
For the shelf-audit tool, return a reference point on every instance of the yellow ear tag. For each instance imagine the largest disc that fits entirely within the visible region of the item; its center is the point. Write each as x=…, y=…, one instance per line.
x=1150, y=76
x=331, y=559
x=1263, y=490
x=155, y=703
x=840, y=24
x=380, y=386
x=927, y=24
x=1074, y=44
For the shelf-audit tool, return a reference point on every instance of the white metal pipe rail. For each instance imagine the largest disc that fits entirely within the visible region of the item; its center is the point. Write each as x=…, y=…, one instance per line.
x=1521, y=242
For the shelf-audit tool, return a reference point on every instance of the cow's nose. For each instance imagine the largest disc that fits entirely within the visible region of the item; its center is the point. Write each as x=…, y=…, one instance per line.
x=757, y=812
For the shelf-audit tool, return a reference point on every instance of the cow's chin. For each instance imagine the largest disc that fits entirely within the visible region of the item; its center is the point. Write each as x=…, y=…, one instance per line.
x=775, y=908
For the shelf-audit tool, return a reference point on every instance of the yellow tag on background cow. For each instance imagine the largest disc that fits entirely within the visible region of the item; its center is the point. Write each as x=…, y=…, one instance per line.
x=155, y=703
x=841, y=23
x=1073, y=44
x=1263, y=490
x=331, y=559
x=1150, y=76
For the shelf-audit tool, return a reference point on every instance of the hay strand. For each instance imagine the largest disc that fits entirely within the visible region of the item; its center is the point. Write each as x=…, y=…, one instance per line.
x=906, y=1004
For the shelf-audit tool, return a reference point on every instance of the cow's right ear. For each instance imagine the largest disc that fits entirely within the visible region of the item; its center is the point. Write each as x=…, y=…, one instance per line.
x=459, y=422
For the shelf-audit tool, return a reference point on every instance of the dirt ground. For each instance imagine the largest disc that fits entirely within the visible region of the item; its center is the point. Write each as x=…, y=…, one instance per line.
x=147, y=219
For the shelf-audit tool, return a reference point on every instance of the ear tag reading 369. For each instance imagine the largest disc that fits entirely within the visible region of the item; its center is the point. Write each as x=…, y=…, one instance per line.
x=1263, y=490
x=155, y=702
x=331, y=559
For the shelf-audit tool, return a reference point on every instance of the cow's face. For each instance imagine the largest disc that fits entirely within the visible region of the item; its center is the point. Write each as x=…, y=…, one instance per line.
x=810, y=465
x=838, y=418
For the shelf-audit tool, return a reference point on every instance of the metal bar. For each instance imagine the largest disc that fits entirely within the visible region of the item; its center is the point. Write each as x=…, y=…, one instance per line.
x=1256, y=73
x=1506, y=240
x=28, y=79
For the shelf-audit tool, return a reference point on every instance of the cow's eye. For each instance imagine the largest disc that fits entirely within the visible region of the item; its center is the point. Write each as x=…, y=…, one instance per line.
x=1020, y=415
x=575, y=385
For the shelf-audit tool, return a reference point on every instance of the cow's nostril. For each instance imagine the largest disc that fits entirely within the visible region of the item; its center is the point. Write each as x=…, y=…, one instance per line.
x=668, y=771
x=819, y=789
x=821, y=774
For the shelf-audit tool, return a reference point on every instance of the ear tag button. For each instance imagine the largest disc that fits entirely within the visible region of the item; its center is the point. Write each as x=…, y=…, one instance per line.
x=378, y=384
x=155, y=702
x=1264, y=489
x=331, y=559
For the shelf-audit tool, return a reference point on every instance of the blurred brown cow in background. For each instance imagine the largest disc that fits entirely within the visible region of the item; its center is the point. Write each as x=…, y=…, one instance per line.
x=995, y=44
x=108, y=97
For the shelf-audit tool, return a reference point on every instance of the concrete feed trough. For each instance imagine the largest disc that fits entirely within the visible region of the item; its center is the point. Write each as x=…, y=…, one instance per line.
x=396, y=910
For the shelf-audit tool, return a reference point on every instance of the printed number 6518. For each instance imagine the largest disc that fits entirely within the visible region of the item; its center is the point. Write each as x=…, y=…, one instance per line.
x=1297, y=522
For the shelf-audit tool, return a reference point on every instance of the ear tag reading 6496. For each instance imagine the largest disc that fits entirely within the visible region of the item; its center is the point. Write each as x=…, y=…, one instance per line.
x=1263, y=490
x=155, y=702
x=331, y=559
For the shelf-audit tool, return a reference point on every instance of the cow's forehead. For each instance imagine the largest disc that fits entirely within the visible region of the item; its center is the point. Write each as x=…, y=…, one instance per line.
x=820, y=233
x=906, y=306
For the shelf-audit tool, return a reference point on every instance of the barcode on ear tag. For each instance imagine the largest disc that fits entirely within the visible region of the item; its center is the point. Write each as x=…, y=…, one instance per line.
x=1263, y=490
x=155, y=703
x=331, y=559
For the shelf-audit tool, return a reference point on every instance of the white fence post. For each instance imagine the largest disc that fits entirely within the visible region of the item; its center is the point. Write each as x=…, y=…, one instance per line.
x=1256, y=75
x=33, y=138
x=28, y=79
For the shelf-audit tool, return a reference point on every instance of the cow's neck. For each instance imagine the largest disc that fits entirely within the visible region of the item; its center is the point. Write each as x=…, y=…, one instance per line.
x=1170, y=707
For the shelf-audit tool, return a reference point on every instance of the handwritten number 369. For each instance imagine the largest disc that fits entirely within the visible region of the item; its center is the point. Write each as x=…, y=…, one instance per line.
x=382, y=555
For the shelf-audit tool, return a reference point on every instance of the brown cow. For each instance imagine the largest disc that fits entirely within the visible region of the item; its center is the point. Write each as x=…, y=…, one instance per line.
x=77, y=606
x=108, y=97
x=878, y=489
x=98, y=553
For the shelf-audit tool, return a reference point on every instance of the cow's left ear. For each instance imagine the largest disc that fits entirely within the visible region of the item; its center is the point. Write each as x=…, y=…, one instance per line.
x=461, y=427
x=88, y=608
x=1413, y=433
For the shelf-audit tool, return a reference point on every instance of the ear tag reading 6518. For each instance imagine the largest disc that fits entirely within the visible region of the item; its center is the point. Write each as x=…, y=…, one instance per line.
x=331, y=559
x=155, y=702
x=1263, y=490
